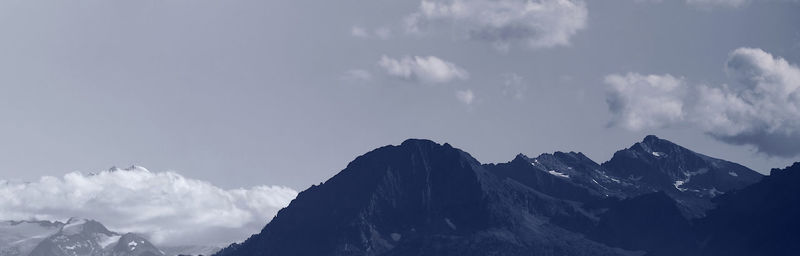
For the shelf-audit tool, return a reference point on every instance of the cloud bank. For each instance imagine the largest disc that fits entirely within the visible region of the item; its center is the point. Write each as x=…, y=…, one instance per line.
x=760, y=108
x=429, y=70
x=165, y=206
x=535, y=23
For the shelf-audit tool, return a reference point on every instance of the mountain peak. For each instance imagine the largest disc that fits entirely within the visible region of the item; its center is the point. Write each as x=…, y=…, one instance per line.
x=660, y=165
x=128, y=169
x=650, y=138
x=413, y=141
x=521, y=157
x=73, y=220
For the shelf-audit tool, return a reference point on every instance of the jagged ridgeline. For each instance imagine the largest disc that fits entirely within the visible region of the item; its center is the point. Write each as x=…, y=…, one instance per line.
x=425, y=198
x=76, y=237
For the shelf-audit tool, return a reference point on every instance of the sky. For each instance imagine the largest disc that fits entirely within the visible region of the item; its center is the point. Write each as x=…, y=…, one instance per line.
x=251, y=101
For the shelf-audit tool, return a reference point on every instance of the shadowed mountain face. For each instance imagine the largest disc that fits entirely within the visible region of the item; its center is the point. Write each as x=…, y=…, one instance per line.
x=419, y=198
x=691, y=178
x=423, y=198
x=761, y=219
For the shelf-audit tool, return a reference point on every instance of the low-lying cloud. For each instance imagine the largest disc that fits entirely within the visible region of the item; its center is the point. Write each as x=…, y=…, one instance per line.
x=165, y=206
x=535, y=23
x=761, y=107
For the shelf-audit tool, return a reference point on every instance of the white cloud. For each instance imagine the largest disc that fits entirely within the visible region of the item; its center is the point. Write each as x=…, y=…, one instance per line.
x=651, y=101
x=359, y=32
x=713, y=3
x=535, y=23
x=165, y=206
x=465, y=96
x=422, y=69
x=760, y=108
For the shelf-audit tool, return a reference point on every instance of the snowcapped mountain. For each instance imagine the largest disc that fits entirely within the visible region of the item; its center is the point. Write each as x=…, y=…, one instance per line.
x=76, y=237
x=18, y=238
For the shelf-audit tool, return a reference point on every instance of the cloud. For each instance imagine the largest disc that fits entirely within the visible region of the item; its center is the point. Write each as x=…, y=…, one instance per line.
x=165, y=206
x=535, y=23
x=359, y=32
x=760, y=108
x=465, y=96
x=514, y=86
x=645, y=101
x=714, y=3
x=356, y=75
x=379, y=33
x=428, y=70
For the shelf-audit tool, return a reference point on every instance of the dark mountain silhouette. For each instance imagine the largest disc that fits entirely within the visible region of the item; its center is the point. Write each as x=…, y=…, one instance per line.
x=420, y=198
x=650, y=222
x=423, y=198
x=762, y=219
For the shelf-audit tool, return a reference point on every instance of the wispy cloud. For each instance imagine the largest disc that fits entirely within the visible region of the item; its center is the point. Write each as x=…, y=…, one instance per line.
x=382, y=33
x=357, y=75
x=430, y=69
x=717, y=3
x=465, y=96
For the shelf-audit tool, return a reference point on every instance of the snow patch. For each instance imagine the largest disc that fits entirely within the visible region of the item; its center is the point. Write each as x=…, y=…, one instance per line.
x=396, y=237
x=658, y=154
x=733, y=174
x=679, y=183
x=555, y=173
x=450, y=223
x=105, y=241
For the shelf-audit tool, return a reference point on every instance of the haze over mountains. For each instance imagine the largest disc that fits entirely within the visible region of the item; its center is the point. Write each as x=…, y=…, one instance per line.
x=424, y=198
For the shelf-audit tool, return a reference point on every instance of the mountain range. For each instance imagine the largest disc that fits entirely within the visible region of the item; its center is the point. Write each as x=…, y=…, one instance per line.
x=425, y=198
x=80, y=237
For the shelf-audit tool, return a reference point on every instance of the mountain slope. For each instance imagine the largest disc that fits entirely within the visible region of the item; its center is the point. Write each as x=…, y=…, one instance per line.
x=19, y=238
x=422, y=198
x=652, y=165
x=761, y=219
x=690, y=178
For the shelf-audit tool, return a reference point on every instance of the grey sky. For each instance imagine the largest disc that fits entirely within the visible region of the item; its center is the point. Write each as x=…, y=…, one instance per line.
x=243, y=93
